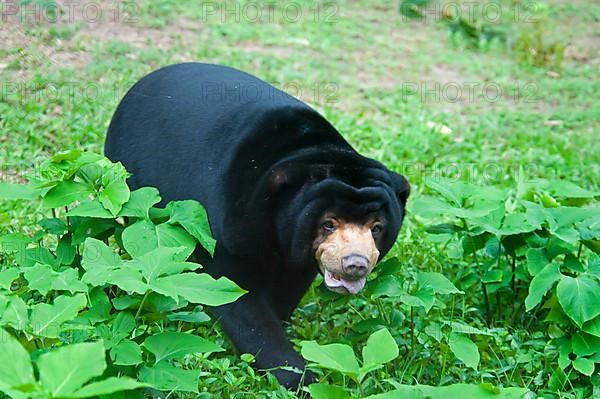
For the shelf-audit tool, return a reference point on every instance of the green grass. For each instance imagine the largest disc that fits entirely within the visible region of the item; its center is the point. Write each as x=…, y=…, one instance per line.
x=370, y=53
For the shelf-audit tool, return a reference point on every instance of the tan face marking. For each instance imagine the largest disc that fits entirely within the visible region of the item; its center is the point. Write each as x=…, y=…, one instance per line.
x=345, y=239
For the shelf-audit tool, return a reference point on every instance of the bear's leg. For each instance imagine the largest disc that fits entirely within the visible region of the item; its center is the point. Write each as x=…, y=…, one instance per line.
x=288, y=289
x=252, y=323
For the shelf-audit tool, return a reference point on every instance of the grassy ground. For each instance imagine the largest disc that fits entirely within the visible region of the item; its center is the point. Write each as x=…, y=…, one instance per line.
x=363, y=65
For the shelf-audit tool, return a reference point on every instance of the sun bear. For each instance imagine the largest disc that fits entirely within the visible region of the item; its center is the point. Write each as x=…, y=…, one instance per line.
x=287, y=197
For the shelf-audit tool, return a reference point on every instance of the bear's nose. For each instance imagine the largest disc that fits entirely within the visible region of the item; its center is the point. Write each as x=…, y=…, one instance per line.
x=355, y=265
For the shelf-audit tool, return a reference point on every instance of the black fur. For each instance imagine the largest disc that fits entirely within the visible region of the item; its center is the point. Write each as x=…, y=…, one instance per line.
x=265, y=166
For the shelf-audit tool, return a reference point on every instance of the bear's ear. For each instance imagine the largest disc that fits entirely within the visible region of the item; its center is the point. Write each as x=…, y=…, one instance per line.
x=401, y=187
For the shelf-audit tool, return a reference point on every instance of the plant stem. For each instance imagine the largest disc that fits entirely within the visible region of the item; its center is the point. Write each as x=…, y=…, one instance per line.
x=412, y=329
x=137, y=314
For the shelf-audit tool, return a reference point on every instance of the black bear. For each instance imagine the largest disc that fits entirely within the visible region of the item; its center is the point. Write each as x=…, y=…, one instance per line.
x=286, y=195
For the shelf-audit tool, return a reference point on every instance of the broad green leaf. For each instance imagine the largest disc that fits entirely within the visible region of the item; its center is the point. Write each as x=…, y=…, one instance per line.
x=387, y=285
x=15, y=370
x=140, y=202
x=15, y=191
x=584, y=344
x=53, y=226
x=64, y=371
x=107, y=386
x=126, y=353
x=541, y=283
x=380, y=349
x=337, y=357
x=466, y=329
x=412, y=301
x=579, y=297
x=171, y=345
x=463, y=391
x=143, y=236
x=92, y=209
x=455, y=192
x=7, y=277
x=98, y=255
x=165, y=377
x=592, y=326
x=324, y=391
x=67, y=192
x=46, y=320
x=128, y=279
x=564, y=189
x=192, y=217
x=198, y=288
x=427, y=296
x=584, y=366
x=437, y=282
x=15, y=314
x=195, y=316
x=537, y=259
x=43, y=278
x=464, y=349
x=114, y=195
x=163, y=261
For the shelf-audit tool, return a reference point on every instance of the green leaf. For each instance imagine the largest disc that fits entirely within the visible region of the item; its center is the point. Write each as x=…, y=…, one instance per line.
x=18, y=372
x=93, y=209
x=64, y=370
x=467, y=329
x=7, y=277
x=337, y=357
x=437, y=282
x=114, y=195
x=107, y=386
x=140, y=202
x=198, y=288
x=14, y=191
x=541, y=283
x=67, y=192
x=463, y=391
x=564, y=189
x=15, y=314
x=171, y=345
x=584, y=366
x=196, y=316
x=53, y=226
x=47, y=320
x=464, y=349
x=537, y=259
x=163, y=261
x=592, y=326
x=43, y=278
x=193, y=217
x=380, y=349
x=387, y=285
x=584, y=344
x=143, y=236
x=168, y=378
x=324, y=391
x=126, y=353
x=579, y=298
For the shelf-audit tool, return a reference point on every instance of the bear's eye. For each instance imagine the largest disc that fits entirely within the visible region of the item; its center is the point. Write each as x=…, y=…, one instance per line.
x=328, y=226
x=377, y=228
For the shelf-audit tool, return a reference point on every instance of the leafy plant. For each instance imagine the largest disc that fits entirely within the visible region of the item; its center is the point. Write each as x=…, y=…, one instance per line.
x=381, y=348
x=100, y=275
x=535, y=247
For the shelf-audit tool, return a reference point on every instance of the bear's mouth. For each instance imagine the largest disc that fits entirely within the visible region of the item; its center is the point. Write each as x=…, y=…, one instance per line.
x=341, y=285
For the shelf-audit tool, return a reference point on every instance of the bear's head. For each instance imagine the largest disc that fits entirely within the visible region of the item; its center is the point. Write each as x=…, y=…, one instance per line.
x=341, y=217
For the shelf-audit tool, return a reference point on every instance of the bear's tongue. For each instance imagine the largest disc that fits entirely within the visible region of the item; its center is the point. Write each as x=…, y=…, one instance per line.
x=352, y=287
